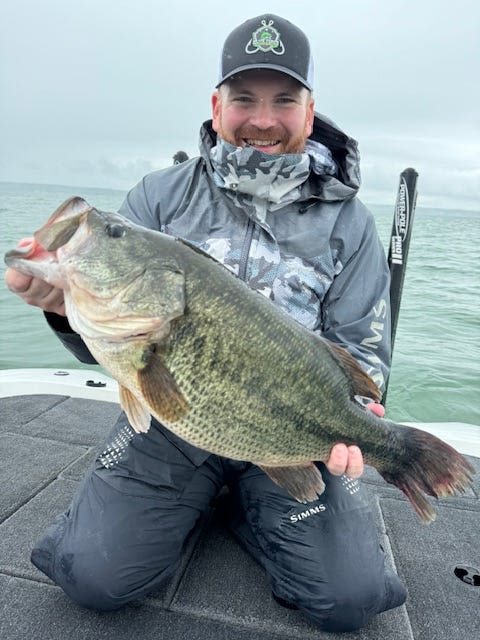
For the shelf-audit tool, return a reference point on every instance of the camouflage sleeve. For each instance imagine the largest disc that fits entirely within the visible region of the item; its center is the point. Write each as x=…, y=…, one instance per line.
x=356, y=311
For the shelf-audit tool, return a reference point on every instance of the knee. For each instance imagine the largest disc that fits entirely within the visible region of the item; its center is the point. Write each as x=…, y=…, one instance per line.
x=94, y=583
x=95, y=588
x=106, y=588
x=349, y=606
x=341, y=615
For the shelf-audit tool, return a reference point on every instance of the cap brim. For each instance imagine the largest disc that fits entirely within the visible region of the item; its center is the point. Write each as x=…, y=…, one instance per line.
x=274, y=67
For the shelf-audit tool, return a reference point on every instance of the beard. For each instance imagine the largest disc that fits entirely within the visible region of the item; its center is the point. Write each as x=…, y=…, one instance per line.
x=286, y=142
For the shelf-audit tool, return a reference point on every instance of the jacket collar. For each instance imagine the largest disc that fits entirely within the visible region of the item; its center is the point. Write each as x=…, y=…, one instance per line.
x=335, y=148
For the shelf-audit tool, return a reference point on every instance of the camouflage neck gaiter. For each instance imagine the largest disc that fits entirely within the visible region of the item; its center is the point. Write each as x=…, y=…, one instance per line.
x=276, y=179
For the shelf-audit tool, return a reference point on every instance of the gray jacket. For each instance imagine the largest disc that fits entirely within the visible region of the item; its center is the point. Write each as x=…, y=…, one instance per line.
x=290, y=226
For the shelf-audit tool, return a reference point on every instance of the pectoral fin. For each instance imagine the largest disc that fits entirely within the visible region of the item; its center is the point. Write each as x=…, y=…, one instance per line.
x=303, y=482
x=160, y=389
x=138, y=415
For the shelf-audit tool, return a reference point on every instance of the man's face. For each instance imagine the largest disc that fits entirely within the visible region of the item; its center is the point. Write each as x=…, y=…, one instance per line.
x=264, y=109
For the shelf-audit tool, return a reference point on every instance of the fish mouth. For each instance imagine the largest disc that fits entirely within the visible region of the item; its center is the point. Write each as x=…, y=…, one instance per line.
x=24, y=251
x=32, y=259
x=62, y=224
x=55, y=233
x=37, y=256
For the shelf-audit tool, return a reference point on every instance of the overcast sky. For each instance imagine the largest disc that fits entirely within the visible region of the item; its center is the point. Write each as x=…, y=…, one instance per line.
x=100, y=92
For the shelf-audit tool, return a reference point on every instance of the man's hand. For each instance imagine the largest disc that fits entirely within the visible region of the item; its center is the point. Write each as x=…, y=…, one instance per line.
x=376, y=408
x=36, y=292
x=345, y=459
x=349, y=460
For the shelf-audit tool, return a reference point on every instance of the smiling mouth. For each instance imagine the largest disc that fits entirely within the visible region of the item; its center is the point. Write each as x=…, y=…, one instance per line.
x=254, y=142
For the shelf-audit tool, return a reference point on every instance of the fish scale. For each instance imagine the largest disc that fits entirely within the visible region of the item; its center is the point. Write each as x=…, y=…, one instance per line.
x=273, y=390
x=247, y=389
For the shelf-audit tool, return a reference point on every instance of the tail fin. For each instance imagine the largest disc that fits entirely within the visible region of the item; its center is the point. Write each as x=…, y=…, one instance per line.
x=428, y=465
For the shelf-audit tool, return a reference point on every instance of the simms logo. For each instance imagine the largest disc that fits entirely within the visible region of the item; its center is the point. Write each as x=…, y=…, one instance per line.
x=372, y=341
x=295, y=517
x=402, y=215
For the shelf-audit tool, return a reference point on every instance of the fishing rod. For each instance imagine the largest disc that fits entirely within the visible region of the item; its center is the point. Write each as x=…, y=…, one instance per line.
x=399, y=245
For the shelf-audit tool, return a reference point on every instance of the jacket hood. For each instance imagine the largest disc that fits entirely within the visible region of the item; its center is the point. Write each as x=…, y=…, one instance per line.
x=342, y=186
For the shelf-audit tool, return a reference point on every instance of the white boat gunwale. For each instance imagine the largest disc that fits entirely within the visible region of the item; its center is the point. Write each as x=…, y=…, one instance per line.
x=95, y=385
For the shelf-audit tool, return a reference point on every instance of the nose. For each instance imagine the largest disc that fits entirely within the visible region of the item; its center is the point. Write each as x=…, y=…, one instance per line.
x=263, y=116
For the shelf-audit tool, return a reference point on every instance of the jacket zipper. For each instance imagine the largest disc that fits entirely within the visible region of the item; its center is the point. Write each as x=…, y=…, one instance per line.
x=247, y=243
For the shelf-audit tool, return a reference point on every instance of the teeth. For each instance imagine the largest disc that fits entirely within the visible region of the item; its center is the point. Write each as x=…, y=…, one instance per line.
x=262, y=143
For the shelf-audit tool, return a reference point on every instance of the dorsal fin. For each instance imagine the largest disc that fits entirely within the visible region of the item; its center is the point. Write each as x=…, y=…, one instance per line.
x=202, y=252
x=362, y=384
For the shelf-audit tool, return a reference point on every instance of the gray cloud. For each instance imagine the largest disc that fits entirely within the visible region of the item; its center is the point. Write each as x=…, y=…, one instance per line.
x=102, y=91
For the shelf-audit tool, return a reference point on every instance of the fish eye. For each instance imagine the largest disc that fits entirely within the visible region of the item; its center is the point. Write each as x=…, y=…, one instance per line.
x=115, y=230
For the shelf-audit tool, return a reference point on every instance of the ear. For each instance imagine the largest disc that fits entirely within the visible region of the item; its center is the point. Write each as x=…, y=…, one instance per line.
x=216, y=109
x=310, y=117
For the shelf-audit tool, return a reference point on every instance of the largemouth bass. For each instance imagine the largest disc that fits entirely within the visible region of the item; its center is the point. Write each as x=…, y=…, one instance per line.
x=219, y=364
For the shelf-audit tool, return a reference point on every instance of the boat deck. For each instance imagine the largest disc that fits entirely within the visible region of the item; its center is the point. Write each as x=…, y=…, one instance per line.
x=218, y=592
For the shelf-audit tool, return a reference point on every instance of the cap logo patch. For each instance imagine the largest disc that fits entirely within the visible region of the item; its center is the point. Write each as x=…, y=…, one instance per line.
x=265, y=38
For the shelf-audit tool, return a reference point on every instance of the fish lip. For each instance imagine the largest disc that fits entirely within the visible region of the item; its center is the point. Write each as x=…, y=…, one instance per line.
x=62, y=224
x=58, y=234
x=23, y=256
x=19, y=253
x=43, y=265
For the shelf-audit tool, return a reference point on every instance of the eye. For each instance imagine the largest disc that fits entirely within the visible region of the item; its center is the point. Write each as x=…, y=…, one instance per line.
x=243, y=99
x=115, y=230
x=285, y=100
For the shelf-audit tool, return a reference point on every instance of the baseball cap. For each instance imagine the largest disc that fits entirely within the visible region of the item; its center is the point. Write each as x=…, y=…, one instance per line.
x=267, y=42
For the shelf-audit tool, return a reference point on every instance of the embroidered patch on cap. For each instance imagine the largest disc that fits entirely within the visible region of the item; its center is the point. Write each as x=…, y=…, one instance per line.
x=265, y=38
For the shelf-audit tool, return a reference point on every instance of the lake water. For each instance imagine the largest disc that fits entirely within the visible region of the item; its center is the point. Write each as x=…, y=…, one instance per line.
x=436, y=365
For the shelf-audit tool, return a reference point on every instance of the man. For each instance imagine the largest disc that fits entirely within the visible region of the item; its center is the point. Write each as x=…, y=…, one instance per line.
x=179, y=157
x=272, y=196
